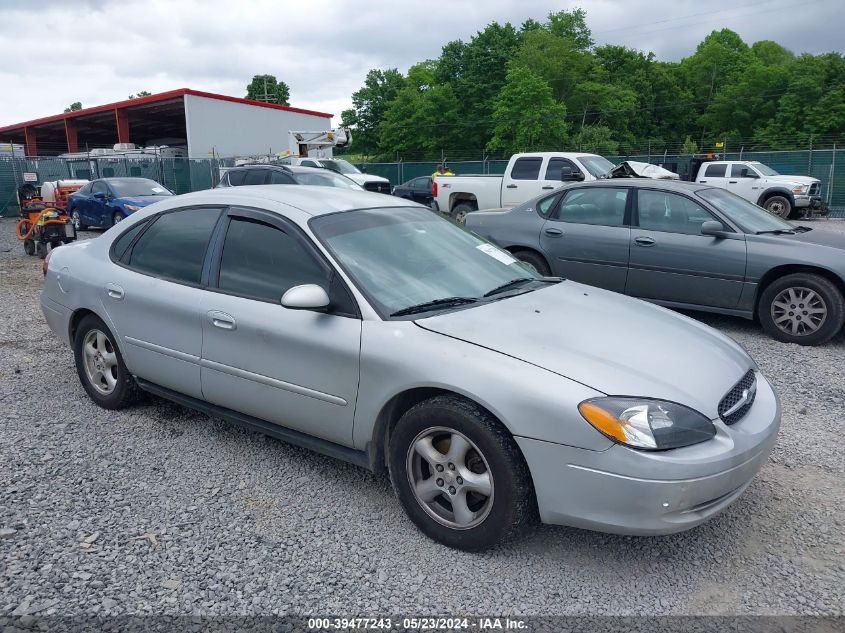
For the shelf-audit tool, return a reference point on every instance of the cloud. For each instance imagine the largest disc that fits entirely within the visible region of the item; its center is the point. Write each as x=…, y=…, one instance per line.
x=98, y=51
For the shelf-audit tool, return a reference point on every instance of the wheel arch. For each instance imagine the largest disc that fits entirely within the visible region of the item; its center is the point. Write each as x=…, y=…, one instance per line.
x=514, y=249
x=461, y=196
x=776, y=191
x=397, y=406
x=777, y=272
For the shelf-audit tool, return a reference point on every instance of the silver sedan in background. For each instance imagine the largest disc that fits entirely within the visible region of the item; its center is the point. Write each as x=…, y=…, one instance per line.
x=682, y=245
x=372, y=330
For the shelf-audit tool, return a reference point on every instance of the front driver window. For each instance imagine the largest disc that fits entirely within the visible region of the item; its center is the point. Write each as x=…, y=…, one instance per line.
x=260, y=261
x=670, y=212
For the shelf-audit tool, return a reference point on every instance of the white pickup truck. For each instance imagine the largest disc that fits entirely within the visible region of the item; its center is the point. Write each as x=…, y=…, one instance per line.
x=762, y=185
x=526, y=176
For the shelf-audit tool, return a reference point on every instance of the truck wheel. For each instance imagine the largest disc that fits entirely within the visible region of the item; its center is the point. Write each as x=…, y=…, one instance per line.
x=802, y=308
x=459, y=474
x=116, y=217
x=535, y=261
x=778, y=205
x=29, y=247
x=459, y=213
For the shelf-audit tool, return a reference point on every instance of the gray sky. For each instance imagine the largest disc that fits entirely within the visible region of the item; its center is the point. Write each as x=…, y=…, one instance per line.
x=99, y=51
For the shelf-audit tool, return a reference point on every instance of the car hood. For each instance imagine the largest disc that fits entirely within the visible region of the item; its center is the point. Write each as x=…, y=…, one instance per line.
x=801, y=180
x=609, y=342
x=362, y=178
x=821, y=238
x=141, y=201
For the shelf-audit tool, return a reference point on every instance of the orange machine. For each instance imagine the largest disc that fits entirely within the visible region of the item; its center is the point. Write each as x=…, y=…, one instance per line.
x=43, y=223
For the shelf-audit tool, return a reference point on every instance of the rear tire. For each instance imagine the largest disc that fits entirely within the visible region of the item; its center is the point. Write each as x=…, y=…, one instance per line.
x=801, y=308
x=459, y=474
x=41, y=250
x=100, y=366
x=535, y=261
x=29, y=247
x=76, y=219
x=459, y=213
x=116, y=217
x=779, y=206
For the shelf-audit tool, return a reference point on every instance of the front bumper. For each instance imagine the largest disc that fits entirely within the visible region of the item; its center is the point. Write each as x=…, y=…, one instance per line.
x=625, y=491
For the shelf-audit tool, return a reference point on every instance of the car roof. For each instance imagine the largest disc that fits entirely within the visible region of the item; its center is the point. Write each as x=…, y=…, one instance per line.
x=650, y=183
x=311, y=199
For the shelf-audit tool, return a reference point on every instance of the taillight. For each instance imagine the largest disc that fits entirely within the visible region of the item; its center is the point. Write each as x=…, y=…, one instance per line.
x=46, y=265
x=434, y=188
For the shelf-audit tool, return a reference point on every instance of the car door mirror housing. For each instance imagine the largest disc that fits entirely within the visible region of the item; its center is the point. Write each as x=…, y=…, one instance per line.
x=306, y=297
x=567, y=175
x=99, y=195
x=712, y=227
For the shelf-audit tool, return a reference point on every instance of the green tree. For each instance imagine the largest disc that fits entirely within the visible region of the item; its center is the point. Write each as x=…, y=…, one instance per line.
x=689, y=146
x=268, y=88
x=597, y=139
x=73, y=107
x=526, y=115
x=572, y=25
x=369, y=105
x=143, y=93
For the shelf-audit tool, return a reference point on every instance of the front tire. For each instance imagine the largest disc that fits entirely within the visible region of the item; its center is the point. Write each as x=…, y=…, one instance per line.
x=779, y=206
x=116, y=217
x=100, y=366
x=459, y=474
x=801, y=308
x=76, y=219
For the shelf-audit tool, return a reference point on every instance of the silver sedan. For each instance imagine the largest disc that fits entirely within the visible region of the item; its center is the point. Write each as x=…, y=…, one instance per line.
x=371, y=330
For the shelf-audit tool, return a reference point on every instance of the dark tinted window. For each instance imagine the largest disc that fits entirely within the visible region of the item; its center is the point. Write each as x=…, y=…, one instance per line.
x=122, y=243
x=738, y=168
x=236, y=177
x=526, y=168
x=594, y=205
x=555, y=164
x=422, y=183
x=670, y=212
x=255, y=176
x=280, y=178
x=174, y=246
x=262, y=261
x=715, y=171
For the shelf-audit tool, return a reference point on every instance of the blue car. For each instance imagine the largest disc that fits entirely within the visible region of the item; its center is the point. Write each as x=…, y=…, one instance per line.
x=105, y=202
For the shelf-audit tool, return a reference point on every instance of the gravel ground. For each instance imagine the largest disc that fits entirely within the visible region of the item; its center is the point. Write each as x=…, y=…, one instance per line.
x=161, y=510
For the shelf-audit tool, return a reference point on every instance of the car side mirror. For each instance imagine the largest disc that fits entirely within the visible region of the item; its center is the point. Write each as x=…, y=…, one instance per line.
x=712, y=227
x=100, y=195
x=567, y=175
x=306, y=297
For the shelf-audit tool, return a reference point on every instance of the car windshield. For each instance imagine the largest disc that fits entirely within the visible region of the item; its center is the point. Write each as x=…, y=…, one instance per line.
x=597, y=165
x=137, y=187
x=325, y=179
x=404, y=257
x=764, y=170
x=748, y=216
x=340, y=166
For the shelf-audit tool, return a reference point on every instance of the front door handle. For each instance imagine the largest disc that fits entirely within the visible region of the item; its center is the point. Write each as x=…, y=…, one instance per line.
x=733, y=182
x=553, y=232
x=644, y=241
x=547, y=187
x=114, y=291
x=511, y=187
x=222, y=320
x=702, y=181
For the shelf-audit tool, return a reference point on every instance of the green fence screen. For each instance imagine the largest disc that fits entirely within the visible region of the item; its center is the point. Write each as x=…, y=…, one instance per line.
x=183, y=175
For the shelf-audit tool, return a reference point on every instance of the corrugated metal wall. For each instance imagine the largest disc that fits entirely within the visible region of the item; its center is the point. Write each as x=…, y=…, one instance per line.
x=183, y=175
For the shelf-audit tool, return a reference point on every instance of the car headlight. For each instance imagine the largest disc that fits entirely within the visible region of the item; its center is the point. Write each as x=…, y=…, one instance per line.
x=132, y=207
x=647, y=424
x=800, y=188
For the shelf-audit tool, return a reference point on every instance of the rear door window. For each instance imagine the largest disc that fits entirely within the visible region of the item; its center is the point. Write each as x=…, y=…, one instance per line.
x=255, y=177
x=527, y=168
x=174, y=246
x=280, y=178
x=236, y=177
x=715, y=171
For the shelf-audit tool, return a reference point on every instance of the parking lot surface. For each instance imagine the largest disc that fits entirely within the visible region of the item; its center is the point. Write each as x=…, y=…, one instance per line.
x=158, y=509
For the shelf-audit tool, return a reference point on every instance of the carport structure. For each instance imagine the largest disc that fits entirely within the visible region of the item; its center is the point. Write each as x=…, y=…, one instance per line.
x=230, y=123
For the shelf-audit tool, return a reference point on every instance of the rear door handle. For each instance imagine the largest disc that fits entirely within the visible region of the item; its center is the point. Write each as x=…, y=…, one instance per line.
x=512, y=187
x=733, y=182
x=114, y=291
x=702, y=181
x=553, y=232
x=222, y=320
x=547, y=187
x=644, y=241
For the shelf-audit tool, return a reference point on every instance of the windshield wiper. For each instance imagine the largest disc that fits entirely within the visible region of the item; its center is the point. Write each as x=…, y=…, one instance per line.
x=446, y=302
x=776, y=232
x=802, y=229
x=521, y=280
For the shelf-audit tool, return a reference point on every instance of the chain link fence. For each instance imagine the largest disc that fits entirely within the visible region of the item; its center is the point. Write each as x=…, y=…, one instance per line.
x=182, y=175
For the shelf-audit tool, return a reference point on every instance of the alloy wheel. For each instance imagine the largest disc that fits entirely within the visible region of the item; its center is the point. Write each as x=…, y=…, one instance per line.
x=799, y=311
x=450, y=478
x=100, y=361
x=76, y=220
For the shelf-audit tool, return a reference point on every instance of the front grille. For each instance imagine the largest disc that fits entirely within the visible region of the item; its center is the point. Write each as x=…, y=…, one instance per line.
x=814, y=189
x=742, y=392
x=378, y=187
